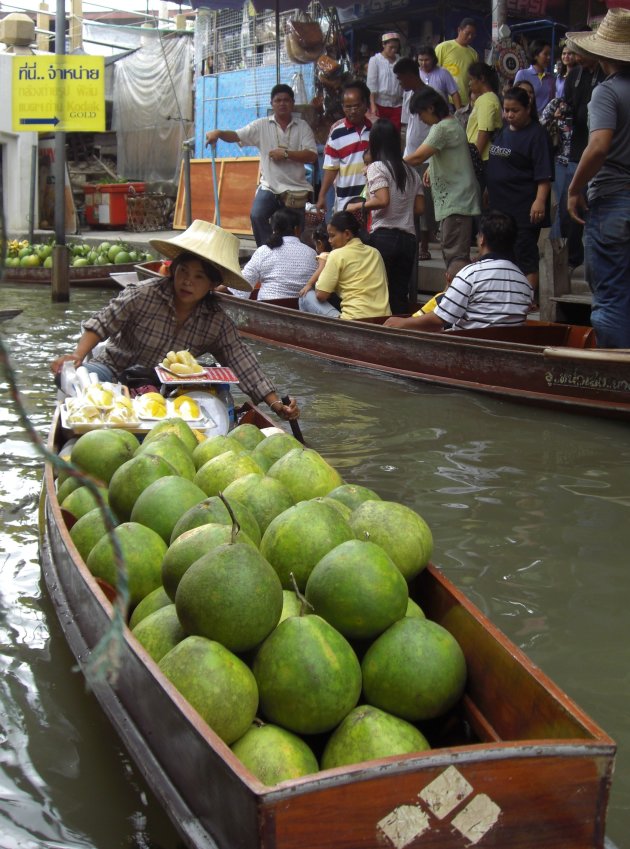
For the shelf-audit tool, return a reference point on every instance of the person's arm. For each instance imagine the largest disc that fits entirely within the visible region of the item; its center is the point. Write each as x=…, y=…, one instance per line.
x=592, y=159
x=426, y=321
x=284, y=411
x=88, y=341
x=330, y=175
x=418, y=204
x=421, y=154
x=281, y=154
x=483, y=137
x=457, y=99
x=321, y=262
x=213, y=136
x=537, y=210
x=379, y=200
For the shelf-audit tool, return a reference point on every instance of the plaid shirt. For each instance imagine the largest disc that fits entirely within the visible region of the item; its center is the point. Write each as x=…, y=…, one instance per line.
x=141, y=327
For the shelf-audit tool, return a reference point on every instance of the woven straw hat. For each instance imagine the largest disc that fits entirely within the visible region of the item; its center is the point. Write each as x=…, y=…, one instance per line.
x=610, y=41
x=390, y=36
x=210, y=243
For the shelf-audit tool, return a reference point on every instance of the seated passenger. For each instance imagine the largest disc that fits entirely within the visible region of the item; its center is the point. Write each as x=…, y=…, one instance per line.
x=354, y=274
x=322, y=249
x=490, y=291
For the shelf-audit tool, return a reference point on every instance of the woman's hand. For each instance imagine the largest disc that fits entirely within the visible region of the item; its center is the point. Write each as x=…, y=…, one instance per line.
x=304, y=290
x=288, y=412
x=426, y=179
x=56, y=365
x=537, y=212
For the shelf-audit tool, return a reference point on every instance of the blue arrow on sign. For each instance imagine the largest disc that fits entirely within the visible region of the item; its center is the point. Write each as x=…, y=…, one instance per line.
x=53, y=121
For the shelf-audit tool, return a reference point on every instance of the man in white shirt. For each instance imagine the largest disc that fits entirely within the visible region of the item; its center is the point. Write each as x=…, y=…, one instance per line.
x=286, y=145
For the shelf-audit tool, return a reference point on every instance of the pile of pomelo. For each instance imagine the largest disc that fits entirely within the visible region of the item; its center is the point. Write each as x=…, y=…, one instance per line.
x=24, y=254
x=273, y=595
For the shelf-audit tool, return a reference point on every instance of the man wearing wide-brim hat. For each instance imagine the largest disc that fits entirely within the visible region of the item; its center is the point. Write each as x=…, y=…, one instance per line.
x=605, y=167
x=178, y=312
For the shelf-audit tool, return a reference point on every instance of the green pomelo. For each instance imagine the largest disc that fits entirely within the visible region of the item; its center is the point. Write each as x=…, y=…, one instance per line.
x=129, y=438
x=170, y=448
x=403, y=534
x=101, y=452
x=220, y=687
x=272, y=448
x=82, y=501
x=156, y=600
x=212, y=511
x=159, y=632
x=414, y=609
x=415, y=670
x=87, y=531
x=142, y=553
x=367, y=734
x=65, y=454
x=132, y=478
x=248, y=435
x=305, y=474
x=264, y=496
x=298, y=539
x=215, y=475
x=176, y=426
x=164, y=502
x=308, y=676
x=274, y=754
x=192, y=545
x=291, y=605
x=214, y=447
x=68, y=486
x=353, y=495
x=345, y=511
x=231, y=595
x=358, y=589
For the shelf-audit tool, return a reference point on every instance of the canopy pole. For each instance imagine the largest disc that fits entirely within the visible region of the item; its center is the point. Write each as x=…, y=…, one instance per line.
x=277, y=10
x=60, y=284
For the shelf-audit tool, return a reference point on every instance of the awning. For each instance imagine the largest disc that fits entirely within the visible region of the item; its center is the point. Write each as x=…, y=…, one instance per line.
x=258, y=5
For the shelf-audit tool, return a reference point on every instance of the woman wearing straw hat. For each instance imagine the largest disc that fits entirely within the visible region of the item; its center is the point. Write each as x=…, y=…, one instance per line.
x=605, y=167
x=149, y=319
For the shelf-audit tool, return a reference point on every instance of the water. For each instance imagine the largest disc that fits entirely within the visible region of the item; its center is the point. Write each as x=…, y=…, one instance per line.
x=531, y=516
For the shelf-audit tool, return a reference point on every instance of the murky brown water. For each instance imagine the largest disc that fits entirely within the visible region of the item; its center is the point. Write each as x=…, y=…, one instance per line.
x=531, y=515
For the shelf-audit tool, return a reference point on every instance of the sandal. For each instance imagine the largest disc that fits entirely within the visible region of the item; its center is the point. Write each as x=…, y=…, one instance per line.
x=423, y=255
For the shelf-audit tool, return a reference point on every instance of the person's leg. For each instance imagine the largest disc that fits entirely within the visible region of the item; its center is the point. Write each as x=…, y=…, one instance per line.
x=101, y=370
x=265, y=204
x=560, y=185
x=573, y=231
x=309, y=303
x=398, y=251
x=427, y=219
x=527, y=255
x=456, y=232
x=607, y=249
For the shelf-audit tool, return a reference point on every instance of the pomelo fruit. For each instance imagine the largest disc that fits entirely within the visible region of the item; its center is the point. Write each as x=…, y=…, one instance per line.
x=142, y=552
x=213, y=447
x=264, y=496
x=352, y=495
x=132, y=478
x=308, y=676
x=248, y=435
x=414, y=609
x=415, y=670
x=101, y=452
x=220, y=687
x=68, y=486
x=213, y=511
x=358, y=589
x=164, y=502
x=403, y=534
x=216, y=474
x=190, y=546
x=345, y=511
x=82, y=501
x=87, y=531
x=272, y=448
x=156, y=599
x=274, y=754
x=298, y=539
x=291, y=605
x=159, y=632
x=305, y=474
x=367, y=734
x=175, y=425
x=231, y=595
x=172, y=449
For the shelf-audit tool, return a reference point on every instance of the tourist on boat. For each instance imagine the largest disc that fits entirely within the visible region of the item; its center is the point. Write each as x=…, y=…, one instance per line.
x=605, y=168
x=179, y=312
x=385, y=91
x=438, y=78
x=457, y=55
x=284, y=264
x=451, y=174
x=486, y=117
x=394, y=196
x=322, y=249
x=538, y=74
x=353, y=283
x=286, y=145
x=488, y=292
x=520, y=171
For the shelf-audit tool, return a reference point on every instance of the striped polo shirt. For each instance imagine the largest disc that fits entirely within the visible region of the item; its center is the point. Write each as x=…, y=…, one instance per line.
x=344, y=153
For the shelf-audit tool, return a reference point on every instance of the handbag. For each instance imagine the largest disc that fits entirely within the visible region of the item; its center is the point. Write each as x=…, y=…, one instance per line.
x=295, y=200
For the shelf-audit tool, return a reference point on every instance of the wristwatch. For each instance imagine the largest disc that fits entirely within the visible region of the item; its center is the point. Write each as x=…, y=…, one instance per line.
x=286, y=154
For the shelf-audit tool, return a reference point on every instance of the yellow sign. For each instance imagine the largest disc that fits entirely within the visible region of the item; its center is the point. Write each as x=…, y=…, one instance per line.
x=59, y=93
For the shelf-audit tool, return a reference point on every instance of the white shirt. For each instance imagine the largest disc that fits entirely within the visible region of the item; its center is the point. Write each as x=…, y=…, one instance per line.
x=417, y=130
x=382, y=81
x=266, y=134
x=281, y=271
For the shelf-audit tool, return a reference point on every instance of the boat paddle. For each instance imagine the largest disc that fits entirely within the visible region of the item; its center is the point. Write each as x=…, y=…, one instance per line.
x=217, y=210
x=295, y=427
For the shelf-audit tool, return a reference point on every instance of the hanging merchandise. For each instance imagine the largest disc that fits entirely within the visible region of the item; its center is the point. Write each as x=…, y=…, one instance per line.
x=304, y=39
x=507, y=58
x=299, y=89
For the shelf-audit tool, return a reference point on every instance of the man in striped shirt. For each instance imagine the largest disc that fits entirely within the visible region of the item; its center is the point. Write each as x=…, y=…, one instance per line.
x=343, y=154
x=490, y=291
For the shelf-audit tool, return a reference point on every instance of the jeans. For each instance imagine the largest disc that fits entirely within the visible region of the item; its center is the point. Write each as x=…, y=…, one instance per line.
x=309, y=303
x=564, y=226
x=398, y=250
x=607, y=249
x=264, y=206
x=101, y=370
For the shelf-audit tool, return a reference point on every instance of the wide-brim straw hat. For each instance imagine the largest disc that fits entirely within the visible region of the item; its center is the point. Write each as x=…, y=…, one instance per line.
x=611, y=40
x=210, y=243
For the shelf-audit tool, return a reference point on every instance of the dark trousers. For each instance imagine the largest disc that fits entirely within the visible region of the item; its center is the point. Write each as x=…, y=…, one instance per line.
x=398, y=250
x=264, y=206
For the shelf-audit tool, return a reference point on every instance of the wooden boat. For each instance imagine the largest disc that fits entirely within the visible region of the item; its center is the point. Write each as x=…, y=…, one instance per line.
x=517, y=763
x=88, y=276
x=552, y=365
x=5, y=315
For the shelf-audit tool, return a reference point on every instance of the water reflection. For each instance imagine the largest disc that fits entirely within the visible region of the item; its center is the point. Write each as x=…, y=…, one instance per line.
x=530, y=515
